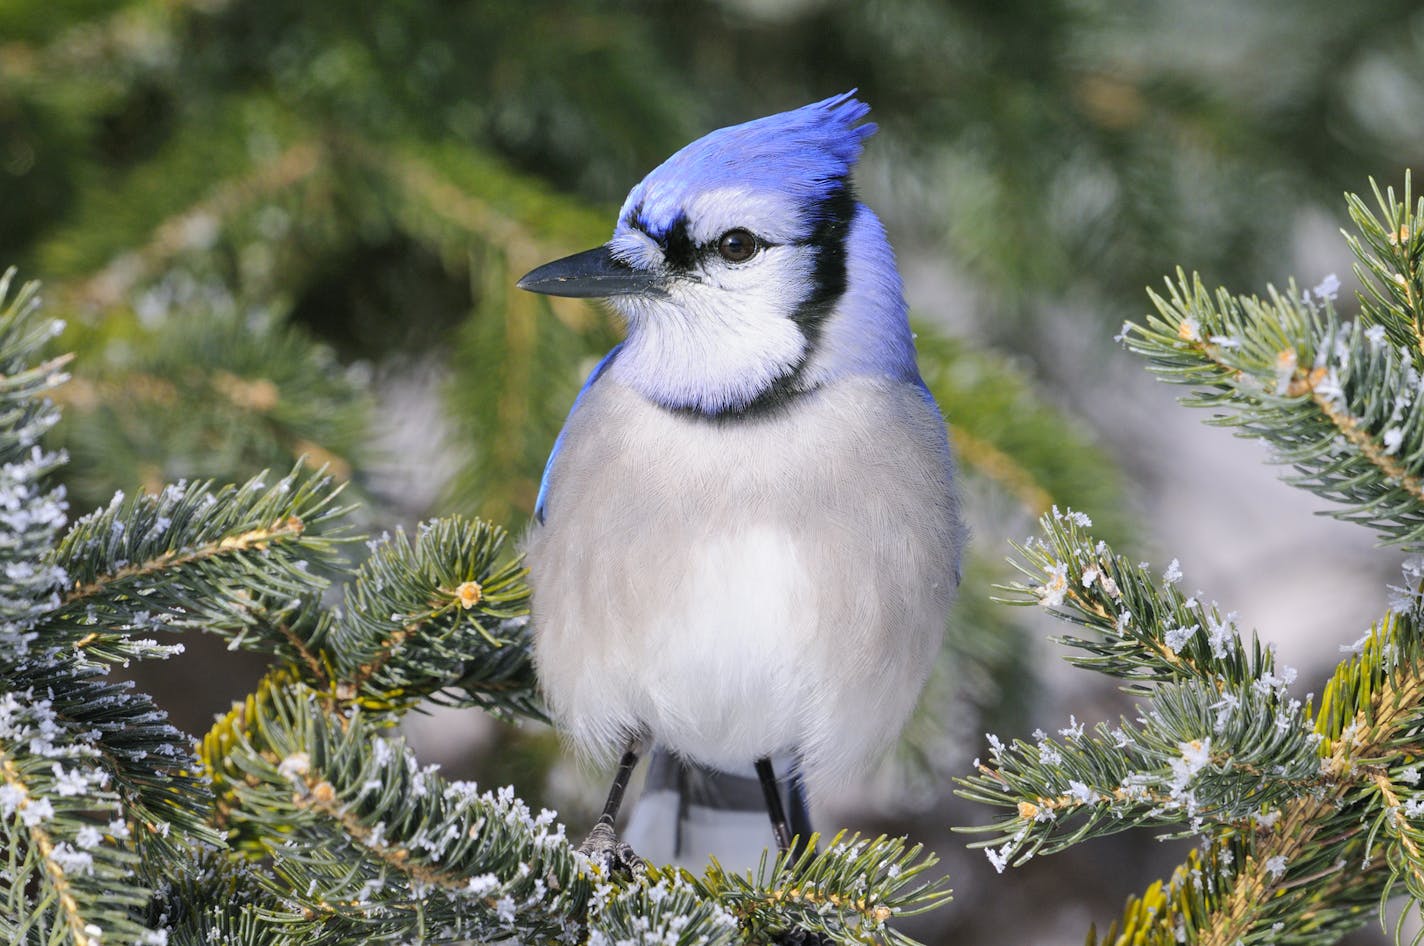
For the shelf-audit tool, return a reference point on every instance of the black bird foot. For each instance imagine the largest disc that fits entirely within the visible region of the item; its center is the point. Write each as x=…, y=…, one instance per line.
x=603, y=845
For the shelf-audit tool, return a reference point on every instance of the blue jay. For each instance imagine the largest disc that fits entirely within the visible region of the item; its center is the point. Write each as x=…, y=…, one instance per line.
x=747, y=537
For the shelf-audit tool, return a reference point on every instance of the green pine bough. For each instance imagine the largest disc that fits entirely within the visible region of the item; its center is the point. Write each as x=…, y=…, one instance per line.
x=301, y=817
x=1309, y=817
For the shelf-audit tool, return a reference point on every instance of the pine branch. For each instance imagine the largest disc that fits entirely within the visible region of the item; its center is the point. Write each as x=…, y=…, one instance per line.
x=148, y=763
x=133, y=226
x=1337, y=402
x=1308, y=814
x=1220, y=740
x=367, y=840
x=1146, y=631
x=1390, y=256
x=67, y=874
x=668, y=909
x=847, y=893
x=1340, y=404
x=194, y=557
x=204, y=896
x=31, y=511
x=213, y=388
x=423, y=618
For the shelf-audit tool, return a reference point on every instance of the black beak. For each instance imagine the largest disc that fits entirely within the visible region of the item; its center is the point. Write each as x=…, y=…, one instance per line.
x=592, y=274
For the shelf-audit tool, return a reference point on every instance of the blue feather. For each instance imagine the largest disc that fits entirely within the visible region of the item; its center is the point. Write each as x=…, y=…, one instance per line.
x=805, y=153
x=593, y=376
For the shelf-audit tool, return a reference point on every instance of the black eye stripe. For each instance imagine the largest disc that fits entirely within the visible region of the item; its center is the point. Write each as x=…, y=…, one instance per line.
x=678, y=248
x=682, y=253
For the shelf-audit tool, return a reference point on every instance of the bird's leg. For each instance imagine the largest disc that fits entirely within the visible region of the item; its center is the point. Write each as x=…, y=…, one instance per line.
x=796, y=936
x=769, y=788
x=602, y=842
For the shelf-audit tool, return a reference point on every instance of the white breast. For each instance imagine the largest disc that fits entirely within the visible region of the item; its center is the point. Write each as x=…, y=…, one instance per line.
x=742, y=589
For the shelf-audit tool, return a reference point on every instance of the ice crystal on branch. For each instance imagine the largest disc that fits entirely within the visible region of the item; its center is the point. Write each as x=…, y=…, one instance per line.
x=1309, y=817
x=1338, y=401
x=117, y=831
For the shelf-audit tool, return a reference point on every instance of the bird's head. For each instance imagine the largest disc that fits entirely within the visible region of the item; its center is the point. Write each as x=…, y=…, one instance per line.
x=728, y=258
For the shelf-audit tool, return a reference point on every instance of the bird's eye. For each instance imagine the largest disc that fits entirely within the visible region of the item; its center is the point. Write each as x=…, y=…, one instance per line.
x=737, y=246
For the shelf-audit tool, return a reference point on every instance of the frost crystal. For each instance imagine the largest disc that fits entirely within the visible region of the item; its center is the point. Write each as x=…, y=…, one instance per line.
x=294, y=766
x=482, y=885
x=69, y=782
x=999, y=858
x=1392, y=439
x=1358, y=647
x=1225, y=707
x=1330, y=390
x=38, y=811
x=1052, y=592
x=1177, y=637
x=10, y=798
x=1196, y=755
x=1328, y=289
x=72, y=861
x=996, y=745
x=1079, y=519
x=1173, y=574
x=1276, y=866
x=1220, y=634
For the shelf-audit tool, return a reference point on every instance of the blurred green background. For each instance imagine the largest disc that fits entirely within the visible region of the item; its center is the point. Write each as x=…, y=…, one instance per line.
x=290, y=228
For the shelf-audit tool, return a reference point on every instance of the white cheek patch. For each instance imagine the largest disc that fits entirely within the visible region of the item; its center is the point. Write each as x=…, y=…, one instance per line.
x=705, y=348
x=782, y=272
x=724, y=334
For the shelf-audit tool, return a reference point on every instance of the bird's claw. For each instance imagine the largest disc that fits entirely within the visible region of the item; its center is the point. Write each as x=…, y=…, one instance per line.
x=602, y=844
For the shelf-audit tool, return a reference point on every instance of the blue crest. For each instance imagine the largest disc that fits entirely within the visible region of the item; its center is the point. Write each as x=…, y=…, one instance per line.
x=805, y=154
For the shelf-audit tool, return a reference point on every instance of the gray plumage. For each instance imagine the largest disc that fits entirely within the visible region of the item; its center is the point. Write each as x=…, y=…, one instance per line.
x=748, y=536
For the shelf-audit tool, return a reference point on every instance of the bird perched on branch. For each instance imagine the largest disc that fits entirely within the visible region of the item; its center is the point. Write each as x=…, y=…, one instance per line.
x=747, y=537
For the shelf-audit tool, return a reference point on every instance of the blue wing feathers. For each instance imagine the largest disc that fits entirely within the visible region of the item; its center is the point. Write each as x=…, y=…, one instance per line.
x=593, y=376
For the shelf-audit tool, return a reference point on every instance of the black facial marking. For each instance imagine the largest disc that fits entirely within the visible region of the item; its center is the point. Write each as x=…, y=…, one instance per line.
x=828, y=280
x=678, y=248
x=634, y=218
x=828, y=274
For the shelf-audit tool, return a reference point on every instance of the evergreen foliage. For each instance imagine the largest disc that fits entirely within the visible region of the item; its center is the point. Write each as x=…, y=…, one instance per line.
x=1309, y=816
x=233, y=202
x=303, y=819
x=247, y=212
